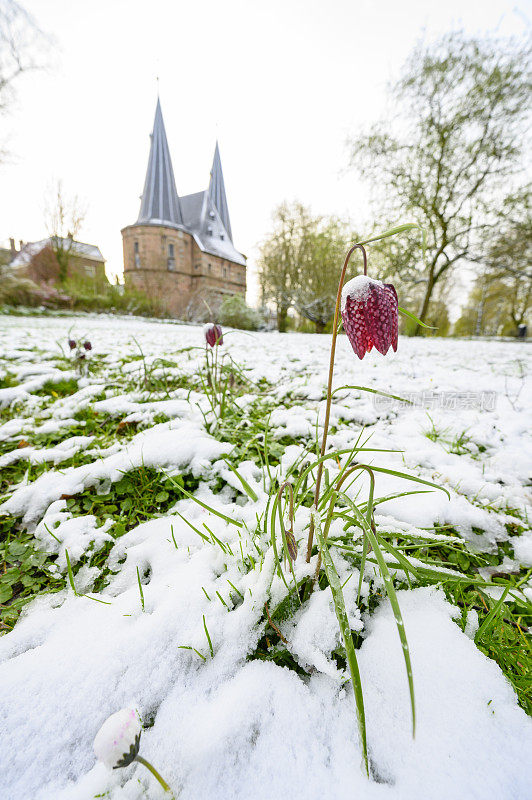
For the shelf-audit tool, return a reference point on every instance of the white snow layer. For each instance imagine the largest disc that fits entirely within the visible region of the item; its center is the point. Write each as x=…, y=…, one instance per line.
x=358, y=289
x=227, y=728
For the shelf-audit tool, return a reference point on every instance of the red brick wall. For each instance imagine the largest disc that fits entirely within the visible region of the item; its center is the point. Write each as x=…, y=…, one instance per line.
x=194, y=274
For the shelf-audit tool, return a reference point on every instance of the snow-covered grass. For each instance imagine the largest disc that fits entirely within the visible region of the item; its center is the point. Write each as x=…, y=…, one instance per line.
x=138, y=566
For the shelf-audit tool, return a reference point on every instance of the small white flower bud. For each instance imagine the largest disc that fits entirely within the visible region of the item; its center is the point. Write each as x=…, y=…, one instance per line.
x=117, y=742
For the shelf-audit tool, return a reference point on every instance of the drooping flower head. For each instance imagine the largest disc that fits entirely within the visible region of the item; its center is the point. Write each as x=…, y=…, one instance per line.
x=370, y=315
x=72, y=344
x=117, y=742
x=291, y=544
x=87, y=345
x=213, y=334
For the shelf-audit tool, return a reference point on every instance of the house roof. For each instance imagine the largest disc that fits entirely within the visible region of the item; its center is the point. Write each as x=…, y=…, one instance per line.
x=31, y=249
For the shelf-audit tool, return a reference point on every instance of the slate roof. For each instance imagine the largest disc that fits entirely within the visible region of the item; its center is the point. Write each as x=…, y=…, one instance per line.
x=203, y=220
x=217, y=191
x=159, y=198
x=205, y=215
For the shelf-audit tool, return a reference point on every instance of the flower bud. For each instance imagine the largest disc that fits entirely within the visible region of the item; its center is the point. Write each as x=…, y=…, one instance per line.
x=87, y=345
x=291, y=544
x=71, y=344
x=117, y=742
x=213, y=334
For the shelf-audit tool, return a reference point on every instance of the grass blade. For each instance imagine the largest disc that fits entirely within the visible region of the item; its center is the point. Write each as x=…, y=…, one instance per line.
x=492, y=614
x=390, y=591
x=274, y=542
x=341, y=615
x=410, y=478
x=211, y=648
x=140, y=590
x=373, y=391
x=285, y=546
x=211, y=510
x=190, y=525
x=247, y=488
x=405, y=563
x=408, y=226
x=413, y=317
x=385, y=499
x=188, y=647
x=70, y=573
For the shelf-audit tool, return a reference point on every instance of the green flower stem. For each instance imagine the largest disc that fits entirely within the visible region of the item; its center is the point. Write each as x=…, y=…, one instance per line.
x=155, y=774
x=358, y=246
x=287, y=557
x=215, y=372
x=329, y=387
x=369, y=517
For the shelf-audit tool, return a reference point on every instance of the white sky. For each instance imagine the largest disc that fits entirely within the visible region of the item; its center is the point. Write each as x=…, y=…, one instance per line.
x=281, y=84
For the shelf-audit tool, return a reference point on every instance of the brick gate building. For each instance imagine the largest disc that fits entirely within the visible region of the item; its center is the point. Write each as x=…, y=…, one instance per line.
x=180, y=250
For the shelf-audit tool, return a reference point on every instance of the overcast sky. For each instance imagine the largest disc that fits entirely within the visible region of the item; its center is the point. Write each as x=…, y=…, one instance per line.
x=281, y=83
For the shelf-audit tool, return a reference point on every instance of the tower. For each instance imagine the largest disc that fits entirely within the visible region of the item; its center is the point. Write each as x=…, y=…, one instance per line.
x=217, y=191
x=180, y=250
x=159, y=199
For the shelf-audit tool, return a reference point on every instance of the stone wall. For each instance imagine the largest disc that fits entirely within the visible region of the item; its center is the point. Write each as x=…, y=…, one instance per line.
x=167, y=265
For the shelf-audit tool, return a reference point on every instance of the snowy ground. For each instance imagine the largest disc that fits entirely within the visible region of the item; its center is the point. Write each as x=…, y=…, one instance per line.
x=220, y=721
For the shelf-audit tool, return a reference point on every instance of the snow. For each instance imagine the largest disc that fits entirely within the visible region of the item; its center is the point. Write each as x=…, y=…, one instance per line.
x=227, y=727
x=358, y=289
x=523, y=550
x=59, y=532
x=177, y=444
x=313, y=632
x=61, y=452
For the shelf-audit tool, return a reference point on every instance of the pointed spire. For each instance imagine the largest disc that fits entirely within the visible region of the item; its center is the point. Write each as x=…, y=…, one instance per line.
x=159, y=198
x=217, y=191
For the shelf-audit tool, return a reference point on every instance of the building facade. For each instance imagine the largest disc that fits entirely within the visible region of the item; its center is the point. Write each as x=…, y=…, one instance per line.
x=180, y=251
x=39, y=261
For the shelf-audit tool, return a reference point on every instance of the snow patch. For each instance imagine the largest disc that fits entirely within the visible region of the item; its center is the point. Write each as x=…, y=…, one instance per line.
x=358, y=289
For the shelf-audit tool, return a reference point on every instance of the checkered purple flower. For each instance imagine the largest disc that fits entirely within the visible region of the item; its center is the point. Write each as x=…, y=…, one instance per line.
x=213, y=334
x=370, y=315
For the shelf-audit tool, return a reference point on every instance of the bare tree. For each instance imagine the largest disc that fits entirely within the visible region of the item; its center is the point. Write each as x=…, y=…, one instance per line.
x=64, y=217
x=463, y=108
x=22, y=48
